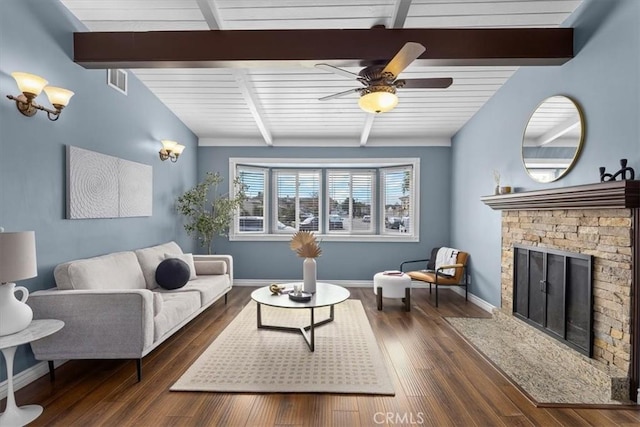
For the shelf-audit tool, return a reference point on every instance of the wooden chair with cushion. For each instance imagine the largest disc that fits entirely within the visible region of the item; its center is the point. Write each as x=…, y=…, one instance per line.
x=434, y=274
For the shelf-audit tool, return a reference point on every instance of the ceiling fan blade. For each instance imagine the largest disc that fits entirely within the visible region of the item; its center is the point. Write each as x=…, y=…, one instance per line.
x=405, y=56
x=432, y=83
x=336, y=70
x=340, y=94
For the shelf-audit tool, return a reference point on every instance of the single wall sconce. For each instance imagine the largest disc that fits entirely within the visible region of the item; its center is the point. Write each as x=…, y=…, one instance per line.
x=31, y=86
x=170, y=150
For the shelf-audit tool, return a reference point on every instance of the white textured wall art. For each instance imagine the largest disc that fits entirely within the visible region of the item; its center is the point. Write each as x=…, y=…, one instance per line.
x=101, y=186
x=136, y=189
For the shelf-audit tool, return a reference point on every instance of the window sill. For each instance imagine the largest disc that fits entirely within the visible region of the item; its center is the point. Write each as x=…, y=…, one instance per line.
x=407, y=238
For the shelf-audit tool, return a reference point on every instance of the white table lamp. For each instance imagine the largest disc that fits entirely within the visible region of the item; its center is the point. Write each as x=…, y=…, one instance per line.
x=17, y=262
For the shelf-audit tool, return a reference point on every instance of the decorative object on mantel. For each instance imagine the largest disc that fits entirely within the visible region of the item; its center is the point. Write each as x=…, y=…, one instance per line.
x=505, y=190
x=496, y=180
x=304, y=244
x=17, y=262
x=622, y=173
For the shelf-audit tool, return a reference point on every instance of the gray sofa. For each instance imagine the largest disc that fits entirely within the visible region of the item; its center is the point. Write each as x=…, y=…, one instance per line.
x=113, y=307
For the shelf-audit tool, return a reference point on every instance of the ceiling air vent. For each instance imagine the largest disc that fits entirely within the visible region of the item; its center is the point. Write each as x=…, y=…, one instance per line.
x=117, y=79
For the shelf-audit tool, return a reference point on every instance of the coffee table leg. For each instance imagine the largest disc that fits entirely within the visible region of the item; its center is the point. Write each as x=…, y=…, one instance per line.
x=259, y=316
x=312, y=344
x=308, y=332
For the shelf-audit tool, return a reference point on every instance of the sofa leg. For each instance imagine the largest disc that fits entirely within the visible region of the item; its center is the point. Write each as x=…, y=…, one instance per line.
x=436, y=295
x=52, y=375
x=225, y=299
x=139, y=369
x=379, y=298
x=407, y=299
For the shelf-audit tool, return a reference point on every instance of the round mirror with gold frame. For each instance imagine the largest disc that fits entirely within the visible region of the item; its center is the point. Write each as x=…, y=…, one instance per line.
x=553, y=139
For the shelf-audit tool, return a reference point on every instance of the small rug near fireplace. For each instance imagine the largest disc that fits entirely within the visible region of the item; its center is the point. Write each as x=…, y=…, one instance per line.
x=539, y=366
x=244, y=359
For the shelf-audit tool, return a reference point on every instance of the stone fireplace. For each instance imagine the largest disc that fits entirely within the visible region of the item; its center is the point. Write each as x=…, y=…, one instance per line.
x=600, y=220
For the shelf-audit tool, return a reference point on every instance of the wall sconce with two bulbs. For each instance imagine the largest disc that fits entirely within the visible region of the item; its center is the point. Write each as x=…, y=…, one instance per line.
x=170, y=150
x=31, y=86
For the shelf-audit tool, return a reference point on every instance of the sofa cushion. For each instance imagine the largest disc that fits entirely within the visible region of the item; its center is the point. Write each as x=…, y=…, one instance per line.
x=188, y=258
x=119, y=270
x=209, y=287
x=149, y=258
x=172, y=273
x=210, y=267
x=176, y=307
x=157, y=303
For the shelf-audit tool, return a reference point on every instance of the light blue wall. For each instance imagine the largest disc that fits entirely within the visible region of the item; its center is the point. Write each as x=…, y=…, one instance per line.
x=602, y=77
x=36, y=37
x=341, y=260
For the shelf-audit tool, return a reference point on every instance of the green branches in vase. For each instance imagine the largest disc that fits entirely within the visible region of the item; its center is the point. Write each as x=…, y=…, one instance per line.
x=209, y=218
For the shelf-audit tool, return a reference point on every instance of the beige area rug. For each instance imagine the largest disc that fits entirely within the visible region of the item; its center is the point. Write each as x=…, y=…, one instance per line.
x=244, y=359
x=539, y=366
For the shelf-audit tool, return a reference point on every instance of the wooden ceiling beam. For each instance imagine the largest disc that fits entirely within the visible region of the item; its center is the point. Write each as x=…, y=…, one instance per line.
x=350, y=47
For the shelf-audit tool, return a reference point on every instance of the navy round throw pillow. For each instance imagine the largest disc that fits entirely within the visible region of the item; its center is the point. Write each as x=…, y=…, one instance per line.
x=172, y=273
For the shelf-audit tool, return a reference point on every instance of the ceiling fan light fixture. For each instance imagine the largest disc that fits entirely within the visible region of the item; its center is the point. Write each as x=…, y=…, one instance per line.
x=378, y=99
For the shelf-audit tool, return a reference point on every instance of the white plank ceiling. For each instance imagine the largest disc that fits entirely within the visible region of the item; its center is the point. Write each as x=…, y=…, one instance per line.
x=279, y=106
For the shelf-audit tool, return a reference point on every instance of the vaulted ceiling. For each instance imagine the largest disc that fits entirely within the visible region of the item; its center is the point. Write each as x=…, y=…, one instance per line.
x=258, y=104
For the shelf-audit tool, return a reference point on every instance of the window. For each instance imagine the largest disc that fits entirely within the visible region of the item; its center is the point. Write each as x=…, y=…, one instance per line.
x=350, y=201
x=297, y=200
x=397, y=199
x=251, y=218
x=339, y=199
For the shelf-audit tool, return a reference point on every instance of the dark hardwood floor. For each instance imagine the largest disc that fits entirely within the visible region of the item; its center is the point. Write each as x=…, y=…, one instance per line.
x=439, y=381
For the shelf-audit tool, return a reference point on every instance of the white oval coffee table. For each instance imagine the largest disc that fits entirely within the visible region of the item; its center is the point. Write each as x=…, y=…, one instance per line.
x=326, y=294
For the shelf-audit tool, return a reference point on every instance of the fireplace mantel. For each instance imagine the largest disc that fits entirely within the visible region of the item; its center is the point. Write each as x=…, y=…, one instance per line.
x=603, y=195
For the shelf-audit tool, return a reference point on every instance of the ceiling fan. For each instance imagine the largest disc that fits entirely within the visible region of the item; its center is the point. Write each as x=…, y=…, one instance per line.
x=380, y=82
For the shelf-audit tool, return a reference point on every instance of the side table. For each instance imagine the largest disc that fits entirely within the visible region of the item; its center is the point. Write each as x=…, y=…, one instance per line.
x=14, y=415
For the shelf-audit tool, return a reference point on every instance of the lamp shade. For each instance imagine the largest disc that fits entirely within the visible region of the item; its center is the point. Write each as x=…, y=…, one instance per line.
x=17, y=256
x=378, y=102
x=29, y=83
x=178, y=149
x=58, y=96
x=168, y=145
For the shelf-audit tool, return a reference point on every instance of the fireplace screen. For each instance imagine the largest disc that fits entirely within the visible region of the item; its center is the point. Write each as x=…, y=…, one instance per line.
x=553, y=292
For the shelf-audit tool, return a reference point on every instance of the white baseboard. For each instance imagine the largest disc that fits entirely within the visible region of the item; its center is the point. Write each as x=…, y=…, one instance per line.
x=474, y=299
x=368, y=284
x=26, y=377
